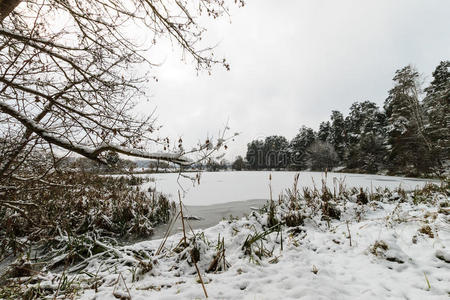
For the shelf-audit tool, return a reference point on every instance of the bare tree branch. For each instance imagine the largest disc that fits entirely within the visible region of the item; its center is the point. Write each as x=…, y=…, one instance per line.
x=84, y=150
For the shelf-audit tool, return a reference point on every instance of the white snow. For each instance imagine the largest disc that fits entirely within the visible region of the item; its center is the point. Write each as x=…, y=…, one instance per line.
x=384, y=252
x=318, y=263
x=222, y=187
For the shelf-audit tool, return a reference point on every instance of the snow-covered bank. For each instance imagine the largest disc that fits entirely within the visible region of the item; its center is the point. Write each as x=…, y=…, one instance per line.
x=310, y=244
x=391, y=256
x=222, y=187
x=396, y=246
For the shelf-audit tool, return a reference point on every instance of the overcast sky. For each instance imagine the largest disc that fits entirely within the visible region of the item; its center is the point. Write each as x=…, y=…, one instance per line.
x=292, y=62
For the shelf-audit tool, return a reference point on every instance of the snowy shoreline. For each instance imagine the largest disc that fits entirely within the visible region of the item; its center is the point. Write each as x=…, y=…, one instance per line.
x=316, y=262
x=310, y=242
x=395, y=246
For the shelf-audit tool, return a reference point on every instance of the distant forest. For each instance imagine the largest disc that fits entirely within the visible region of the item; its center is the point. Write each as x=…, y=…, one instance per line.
x=409, y=135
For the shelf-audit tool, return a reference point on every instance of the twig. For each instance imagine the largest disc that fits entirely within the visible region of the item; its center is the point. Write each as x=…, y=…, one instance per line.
x=187, y=222
x=166, y=235
x=182, y=217
x=281, y=237
x=223, y=254
x=270, y=187
x=349, y=235
x=201, y=279
x=60, y=282
x=125, y=284
x=428, y=282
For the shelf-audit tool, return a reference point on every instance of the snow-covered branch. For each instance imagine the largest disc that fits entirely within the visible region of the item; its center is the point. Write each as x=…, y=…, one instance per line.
x=88, y=152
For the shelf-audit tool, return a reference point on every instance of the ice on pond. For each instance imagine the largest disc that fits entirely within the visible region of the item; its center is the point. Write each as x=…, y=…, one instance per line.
x=223, y=187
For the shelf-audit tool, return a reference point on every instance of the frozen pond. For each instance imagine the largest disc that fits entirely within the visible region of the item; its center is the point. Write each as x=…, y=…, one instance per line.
x=221, y=194
x=223, y=187
x=209, y=215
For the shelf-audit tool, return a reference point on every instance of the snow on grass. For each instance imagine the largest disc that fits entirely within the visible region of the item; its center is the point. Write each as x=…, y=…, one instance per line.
x=391, y=248
x=309, y=244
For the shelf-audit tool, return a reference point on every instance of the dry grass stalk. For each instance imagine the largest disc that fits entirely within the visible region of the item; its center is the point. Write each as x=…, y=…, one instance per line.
x=182, y=218
x=119, y=295
x=166, y=235
x=201, y=280
x=349, y=235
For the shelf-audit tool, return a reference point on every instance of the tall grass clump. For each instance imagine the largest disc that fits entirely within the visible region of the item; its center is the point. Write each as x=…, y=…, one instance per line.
x=78, y=217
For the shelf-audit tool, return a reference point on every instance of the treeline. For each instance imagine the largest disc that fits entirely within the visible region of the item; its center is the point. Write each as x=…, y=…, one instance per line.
x=409, y=135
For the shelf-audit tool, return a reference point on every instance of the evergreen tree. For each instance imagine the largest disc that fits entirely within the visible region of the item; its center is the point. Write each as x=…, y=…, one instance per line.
x=408, y=151
x=407, y=137
x=371, y=150
x=298, y=146
x=437, y=110
x=365, y=136
x=324, y=131
x=255, y=155
x=364, y=117
x=337, y=133
x=276, y=152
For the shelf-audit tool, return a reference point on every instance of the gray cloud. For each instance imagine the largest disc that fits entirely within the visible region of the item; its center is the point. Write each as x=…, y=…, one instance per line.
x=292, y=62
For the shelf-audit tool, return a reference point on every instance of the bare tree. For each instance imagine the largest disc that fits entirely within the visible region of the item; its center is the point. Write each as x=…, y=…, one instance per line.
x=70, y=76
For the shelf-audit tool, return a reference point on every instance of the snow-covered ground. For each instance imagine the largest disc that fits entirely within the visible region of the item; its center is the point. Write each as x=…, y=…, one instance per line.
x=384, y=255
x=396, y=246
x=222, y=187
x=389, y=248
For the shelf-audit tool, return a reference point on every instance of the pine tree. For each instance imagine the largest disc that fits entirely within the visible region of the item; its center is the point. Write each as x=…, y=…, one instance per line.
x=371, y=151
x=255, y=155
x=437, y=110
x=365, y=136
x=276, y=152
x=305, y=137
x=408, y=148
x=324, y=131
x=337, y=134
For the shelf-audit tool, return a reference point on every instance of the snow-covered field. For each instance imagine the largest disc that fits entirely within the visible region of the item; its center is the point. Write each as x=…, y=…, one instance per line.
x=222, y=187
x=389, y=248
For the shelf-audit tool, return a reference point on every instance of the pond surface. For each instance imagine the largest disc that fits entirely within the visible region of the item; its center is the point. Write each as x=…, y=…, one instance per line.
x=221, y=194
x=224, y=187
x=205, y=216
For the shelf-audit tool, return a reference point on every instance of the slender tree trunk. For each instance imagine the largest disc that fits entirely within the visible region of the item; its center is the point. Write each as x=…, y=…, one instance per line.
x=6, y=7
